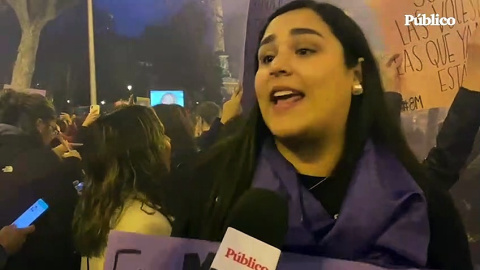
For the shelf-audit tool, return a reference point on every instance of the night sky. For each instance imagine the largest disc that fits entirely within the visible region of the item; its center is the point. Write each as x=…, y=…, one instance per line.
x=132, y=16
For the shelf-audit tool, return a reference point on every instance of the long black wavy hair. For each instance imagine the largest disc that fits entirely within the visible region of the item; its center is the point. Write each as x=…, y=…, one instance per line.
x=369, y=118
x=124, y=157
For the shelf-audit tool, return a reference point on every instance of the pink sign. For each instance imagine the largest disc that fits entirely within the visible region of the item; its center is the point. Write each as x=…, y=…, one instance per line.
x=434, y=56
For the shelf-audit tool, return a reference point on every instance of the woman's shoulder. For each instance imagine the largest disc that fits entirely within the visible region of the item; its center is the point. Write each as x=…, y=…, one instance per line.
x=139, y=217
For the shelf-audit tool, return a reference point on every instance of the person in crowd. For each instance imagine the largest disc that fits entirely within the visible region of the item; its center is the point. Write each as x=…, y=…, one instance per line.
x=180, y=131
x=91, y=117
x=30, y=170
x=458, y=139
x=322, y=137
x=222, y=126
x=70, y=130
x=125, y=157
x=11, y=241
x=454, y=148
x=206, y=114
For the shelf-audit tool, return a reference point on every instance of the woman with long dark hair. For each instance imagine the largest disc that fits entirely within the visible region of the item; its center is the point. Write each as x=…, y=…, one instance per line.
x=322, y=137
x=125, y=157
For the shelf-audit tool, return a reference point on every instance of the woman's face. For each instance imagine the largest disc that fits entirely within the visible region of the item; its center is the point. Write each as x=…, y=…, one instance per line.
x=48, y=130
x=302, y=84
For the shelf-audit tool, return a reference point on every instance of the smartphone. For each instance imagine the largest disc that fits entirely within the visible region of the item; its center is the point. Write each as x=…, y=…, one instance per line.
x=95, y=108
x=32, y=214
x=78, y=186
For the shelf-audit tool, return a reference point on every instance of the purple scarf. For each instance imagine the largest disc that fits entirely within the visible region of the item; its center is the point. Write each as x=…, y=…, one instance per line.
x=383, y=219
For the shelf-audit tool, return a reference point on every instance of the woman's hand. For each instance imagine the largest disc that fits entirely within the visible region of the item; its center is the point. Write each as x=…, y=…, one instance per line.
x=388, y=71
x=91, y=117
x=60, y=150
x=72, y=154
x=12, y=238
x=66, y=117
x=233, y=107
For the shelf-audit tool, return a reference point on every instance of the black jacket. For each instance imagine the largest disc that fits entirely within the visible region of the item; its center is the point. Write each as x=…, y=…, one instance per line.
x=448, y=247
x=219, y=131
x=30, y=172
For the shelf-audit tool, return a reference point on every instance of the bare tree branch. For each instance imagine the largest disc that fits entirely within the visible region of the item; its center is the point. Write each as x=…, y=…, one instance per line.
x=56, y=7
x=66, y=4
x=21, y=10
x=33, y=15
x=51, y=12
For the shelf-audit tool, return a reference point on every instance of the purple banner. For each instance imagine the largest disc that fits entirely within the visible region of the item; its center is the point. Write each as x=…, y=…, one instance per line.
x=127, y=251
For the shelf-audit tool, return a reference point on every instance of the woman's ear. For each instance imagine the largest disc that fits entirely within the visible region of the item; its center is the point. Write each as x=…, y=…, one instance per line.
x=40, y=125
x=358, y=72
x=357, y=88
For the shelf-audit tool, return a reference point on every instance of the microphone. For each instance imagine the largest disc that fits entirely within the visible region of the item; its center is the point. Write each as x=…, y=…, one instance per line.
x=257, y=226
x=262, y=214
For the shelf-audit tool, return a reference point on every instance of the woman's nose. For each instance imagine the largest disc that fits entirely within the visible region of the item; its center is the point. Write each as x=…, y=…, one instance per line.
x=280, y=66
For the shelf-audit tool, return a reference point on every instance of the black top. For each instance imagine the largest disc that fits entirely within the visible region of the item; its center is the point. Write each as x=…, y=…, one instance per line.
x=329, y=191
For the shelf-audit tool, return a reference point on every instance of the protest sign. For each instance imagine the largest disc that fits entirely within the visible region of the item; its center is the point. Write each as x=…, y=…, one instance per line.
x=127, y=251
x=434, y=56
x=31, y=91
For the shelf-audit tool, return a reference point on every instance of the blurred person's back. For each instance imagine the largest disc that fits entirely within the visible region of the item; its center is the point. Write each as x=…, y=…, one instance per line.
x=30, y=170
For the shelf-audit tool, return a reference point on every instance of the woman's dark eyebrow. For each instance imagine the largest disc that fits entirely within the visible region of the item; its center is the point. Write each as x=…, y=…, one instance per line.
x=293, y=32
x=267, y=40
x=304, y=31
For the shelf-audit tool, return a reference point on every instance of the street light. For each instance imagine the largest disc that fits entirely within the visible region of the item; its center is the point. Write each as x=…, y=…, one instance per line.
x=102, y=102
x=129, y=87
x=68, y=101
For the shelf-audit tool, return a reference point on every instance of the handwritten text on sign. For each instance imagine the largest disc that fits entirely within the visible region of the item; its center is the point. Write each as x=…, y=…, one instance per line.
x=434, y=57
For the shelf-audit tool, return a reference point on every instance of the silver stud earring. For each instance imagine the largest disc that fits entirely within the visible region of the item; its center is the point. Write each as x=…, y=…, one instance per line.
x=357, y=89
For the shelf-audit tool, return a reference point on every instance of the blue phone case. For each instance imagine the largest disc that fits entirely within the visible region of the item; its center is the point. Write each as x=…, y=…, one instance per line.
x=32, y=214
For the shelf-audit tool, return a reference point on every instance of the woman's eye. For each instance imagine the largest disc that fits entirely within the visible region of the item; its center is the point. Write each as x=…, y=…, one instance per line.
x=305, y=51
x=267, y=59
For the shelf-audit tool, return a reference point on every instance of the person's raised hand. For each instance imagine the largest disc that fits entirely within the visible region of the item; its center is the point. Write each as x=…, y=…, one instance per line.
x=472, y=79
x=72, y=154
x=60, y=150
x=66, y=117
x=91, y=117
x=388, y=65
x=233, y=107
x=12, y=238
